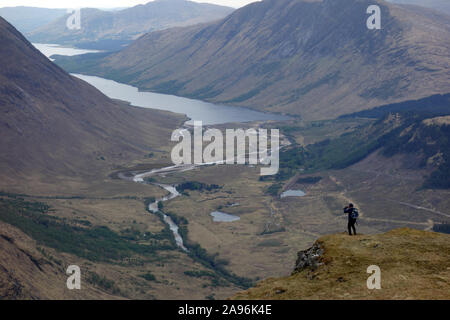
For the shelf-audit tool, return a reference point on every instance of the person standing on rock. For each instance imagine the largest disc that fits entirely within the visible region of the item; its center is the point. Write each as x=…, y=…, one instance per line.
x=352, y=216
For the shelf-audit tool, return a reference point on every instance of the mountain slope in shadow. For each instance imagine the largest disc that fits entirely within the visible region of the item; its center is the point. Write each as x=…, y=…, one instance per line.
x=52, y=123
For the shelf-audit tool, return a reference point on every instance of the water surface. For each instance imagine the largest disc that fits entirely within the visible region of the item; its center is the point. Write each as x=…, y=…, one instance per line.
x=293, y=193
x=224, y=217
x=153, y=207
x=51, y=49
x=196, y=110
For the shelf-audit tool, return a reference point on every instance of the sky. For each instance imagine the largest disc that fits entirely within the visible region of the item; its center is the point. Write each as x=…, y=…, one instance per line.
x=104, y=3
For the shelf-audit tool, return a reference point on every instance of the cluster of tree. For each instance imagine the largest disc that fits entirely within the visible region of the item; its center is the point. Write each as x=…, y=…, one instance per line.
x=196, y=186
x=103, y=283
x=433, y=106
x=216, y=281
x=148, y=276
x=97, y=243
x=178, y=220
x=309, y=180
x=407, y=135
x=210, y=261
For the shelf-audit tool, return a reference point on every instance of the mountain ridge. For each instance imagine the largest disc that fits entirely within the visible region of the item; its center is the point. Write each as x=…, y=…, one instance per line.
x=316, y=59
x=27, y=19
x=110, y=30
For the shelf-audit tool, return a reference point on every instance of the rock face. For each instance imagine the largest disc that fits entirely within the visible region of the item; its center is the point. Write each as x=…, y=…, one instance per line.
x=310, y=258
x=316, y=59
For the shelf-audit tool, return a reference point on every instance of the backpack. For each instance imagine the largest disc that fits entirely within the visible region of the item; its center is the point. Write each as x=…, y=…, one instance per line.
x=354, y=214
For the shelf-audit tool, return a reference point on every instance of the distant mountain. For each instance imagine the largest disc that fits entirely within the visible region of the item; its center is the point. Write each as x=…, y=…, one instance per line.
x=28, y=19
x=440, y=5
x=316, y=59
x=108, y=30
x=54, y=124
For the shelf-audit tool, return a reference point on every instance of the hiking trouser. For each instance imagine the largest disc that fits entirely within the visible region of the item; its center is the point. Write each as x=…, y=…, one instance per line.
x=351, y=225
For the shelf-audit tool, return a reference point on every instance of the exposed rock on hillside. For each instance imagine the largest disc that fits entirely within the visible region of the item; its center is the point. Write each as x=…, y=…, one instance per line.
x=414, y=265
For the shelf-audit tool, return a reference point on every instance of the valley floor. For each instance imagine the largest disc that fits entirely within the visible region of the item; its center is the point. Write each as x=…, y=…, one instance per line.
x=262, y=244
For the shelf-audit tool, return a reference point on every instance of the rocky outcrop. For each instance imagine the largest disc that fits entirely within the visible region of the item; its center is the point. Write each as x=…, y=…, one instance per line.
x=336, y=267
x=310, y=258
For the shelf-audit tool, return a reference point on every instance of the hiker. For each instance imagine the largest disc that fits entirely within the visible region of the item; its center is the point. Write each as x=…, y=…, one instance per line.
x=352, y=216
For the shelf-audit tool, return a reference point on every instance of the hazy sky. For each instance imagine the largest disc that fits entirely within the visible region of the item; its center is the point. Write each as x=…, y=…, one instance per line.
x=103, y=3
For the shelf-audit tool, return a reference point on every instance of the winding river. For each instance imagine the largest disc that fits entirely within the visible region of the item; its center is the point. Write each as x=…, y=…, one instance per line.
x=196, y=110
x=154, y=207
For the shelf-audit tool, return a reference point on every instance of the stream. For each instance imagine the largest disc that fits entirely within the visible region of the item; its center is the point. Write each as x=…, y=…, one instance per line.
x=153, y=207
x=172, y=194
x=208, y=113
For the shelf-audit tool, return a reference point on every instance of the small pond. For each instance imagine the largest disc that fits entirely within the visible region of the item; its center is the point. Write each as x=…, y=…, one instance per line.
x=224, y=217
x=293, y=193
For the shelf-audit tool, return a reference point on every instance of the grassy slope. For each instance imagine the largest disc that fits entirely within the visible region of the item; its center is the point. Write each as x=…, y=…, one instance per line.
x=27, y=273
x=414, y=265
x=37, y=246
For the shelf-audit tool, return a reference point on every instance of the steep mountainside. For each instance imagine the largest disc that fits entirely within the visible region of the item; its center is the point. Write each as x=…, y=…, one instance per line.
x=28, y=19
x=414, y=265
x=316, y=58
x=106, y=29
x=421, y=138
x=52, y=123
x=27, y=273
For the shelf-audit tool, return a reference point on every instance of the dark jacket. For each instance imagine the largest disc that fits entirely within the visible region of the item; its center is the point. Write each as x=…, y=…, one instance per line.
x=350, y=212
